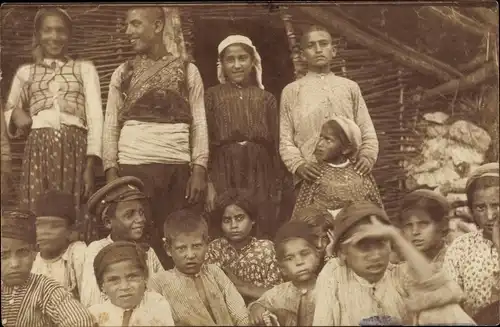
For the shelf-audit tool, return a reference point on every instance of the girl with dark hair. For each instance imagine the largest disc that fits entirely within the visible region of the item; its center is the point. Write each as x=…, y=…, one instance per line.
x=243, y=129
x=56, y=101
x=340, y=184
x=249, y=262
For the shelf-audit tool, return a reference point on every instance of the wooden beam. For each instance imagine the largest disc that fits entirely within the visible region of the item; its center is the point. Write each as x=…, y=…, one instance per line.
x=460, y=84
x=453, y=16
x=351, y=32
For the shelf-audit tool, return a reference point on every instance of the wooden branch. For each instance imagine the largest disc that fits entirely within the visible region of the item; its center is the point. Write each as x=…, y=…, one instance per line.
x=353, y=33
x=467, y=82
x=485, y=14
x=474, y=63
x=451, y=15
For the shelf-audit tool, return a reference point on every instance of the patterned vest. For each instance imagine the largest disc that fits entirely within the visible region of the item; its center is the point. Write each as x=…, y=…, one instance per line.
x=156, y=91
x=69, y=81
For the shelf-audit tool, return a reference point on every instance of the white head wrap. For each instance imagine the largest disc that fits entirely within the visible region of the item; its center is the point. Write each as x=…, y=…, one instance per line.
x=232, y=39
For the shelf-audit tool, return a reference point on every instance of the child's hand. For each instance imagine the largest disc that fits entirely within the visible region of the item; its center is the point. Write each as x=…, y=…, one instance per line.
x=329, y=247
x=375, y=230
x=257, y=315
x=270, y=319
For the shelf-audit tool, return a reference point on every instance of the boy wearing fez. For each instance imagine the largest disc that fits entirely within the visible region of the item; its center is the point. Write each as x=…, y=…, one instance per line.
x=31, y=299
x=58, y=257
x=199, y=294
x=120, y=205
x=307, y=103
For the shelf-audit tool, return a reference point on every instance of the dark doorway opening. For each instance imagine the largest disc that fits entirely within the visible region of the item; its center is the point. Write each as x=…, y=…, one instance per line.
x=267, y=34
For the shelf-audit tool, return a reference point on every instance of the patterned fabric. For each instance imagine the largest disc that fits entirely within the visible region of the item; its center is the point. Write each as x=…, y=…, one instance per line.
x=154, y=310
x=255, y=263
x=472, y=261
x=41, y=302
x=345, y=299
x=225, y=306
x=337, y=186
x=283, y=300
x=308, y=103
x=90, y=293
x=66, y=270
x=53, y=160
x=68, y=94
x=147, y=142
x=157, y=92
x=250, y=115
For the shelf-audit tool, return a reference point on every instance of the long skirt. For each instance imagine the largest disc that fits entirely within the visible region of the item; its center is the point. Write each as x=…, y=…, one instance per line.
x=250, y=166
x=54, y=160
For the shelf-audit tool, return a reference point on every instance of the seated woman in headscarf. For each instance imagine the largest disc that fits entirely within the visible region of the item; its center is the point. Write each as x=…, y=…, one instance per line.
x=243, y=129
x=361, y=287
x=249, y=262
x=124, y=263
x=339, y=184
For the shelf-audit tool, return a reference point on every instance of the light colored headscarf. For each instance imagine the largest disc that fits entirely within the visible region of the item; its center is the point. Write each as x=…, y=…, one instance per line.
x=353, y=133
x=233, y=39
x=37, y=51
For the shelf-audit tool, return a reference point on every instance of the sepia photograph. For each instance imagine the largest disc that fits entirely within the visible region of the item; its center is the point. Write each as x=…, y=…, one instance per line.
x=329, y=163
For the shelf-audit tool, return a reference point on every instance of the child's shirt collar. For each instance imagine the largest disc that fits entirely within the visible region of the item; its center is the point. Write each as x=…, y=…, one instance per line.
x=341, y=165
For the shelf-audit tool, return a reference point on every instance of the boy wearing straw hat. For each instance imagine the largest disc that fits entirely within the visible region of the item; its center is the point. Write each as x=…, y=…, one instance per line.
x=155, y=125
x=315, y=98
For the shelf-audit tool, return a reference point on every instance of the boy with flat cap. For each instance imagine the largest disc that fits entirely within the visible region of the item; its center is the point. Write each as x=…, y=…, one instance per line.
x=120, y=206
x=31, y=299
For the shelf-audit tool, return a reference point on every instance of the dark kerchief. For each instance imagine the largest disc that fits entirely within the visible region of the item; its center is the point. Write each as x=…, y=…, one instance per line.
x=353, y=213
x=56, y=204
x=19, y=225
x=117, y=252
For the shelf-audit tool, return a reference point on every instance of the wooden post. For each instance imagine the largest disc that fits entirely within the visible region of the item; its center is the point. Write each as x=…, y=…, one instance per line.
x=292, y=42
x=401, y=124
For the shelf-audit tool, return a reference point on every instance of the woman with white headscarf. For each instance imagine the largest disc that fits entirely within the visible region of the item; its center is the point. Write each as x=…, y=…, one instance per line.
x=243, y=129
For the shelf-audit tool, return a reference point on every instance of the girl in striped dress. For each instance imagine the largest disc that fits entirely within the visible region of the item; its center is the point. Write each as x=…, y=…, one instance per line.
x=56, y=101
x=243, y=128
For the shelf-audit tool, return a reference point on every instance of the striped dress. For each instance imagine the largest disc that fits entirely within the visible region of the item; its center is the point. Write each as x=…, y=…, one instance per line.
x=243, y=129
x=42, y=302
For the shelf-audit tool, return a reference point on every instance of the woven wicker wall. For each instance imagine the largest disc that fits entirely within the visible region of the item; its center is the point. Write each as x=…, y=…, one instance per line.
x=382, y=84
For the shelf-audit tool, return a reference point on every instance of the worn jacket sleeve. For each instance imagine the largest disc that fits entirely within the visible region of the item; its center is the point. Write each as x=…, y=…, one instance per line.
x=93, y=109
x=369, y=147
x=327, y=311
x=289, y=152
x=234, y=301
x=111, y=129
x=199, y=131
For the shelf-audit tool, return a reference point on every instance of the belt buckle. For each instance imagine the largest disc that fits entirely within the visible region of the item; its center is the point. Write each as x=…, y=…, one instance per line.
x=243, y=143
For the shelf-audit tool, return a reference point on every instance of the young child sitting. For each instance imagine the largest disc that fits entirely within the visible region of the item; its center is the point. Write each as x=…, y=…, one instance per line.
x=122, y=274
x=321, y=224
x=249, y=262
x=31, y=299
x=292, y=302
x=361, y=285
x=199, y=294
x=339, y=183
x=423, y=221
x=120, y=205
x=58, y=258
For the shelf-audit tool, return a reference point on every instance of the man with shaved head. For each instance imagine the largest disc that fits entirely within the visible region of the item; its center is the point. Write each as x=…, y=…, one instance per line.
x=155, y=126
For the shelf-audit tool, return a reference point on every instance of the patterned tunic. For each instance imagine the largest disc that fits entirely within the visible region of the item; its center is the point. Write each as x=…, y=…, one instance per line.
x=284, y=299
x=154, y=310
x=67, y=269
x=472, y=261
x=42, y=302
x=308, y=103
x=345, y=299
x=255, y=263
x=225, y=305
x=90, y=293
x=243, y=132
x=336, y=187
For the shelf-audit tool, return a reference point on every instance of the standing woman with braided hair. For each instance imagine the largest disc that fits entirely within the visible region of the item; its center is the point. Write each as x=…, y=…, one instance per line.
x=56, y=102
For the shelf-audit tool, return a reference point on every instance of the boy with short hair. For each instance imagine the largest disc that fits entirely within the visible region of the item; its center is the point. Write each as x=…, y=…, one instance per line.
x=58, y=257
x=124, y=263
x=312, y=100
x=120, y=205
x=292, y=302
x=31, y=299
x=200, y=294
